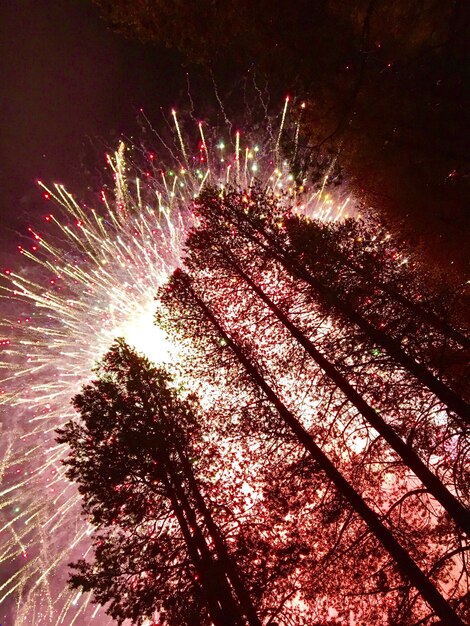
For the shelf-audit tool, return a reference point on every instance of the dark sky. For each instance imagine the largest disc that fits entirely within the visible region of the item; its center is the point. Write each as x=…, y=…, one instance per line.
x=68, y=83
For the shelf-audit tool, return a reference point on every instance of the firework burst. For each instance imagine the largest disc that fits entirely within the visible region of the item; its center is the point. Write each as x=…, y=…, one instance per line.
x=91, y=277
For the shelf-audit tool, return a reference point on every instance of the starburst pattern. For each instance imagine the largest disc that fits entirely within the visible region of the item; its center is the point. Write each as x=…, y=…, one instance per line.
x=90, y=275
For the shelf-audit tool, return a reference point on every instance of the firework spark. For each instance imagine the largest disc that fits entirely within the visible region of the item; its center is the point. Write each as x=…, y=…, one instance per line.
x=90, y=278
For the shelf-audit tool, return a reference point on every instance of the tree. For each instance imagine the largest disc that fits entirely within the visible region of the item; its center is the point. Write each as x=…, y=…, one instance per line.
x=328, y=374
x=260, y=220
x=365, y=256
x=240, y=237
x=157, y=548
x=184, y=302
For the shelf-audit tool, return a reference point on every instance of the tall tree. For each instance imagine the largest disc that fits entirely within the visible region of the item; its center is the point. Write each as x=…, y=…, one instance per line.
x=183, y=301
x=259, y=219
x=157, y=547
x=216, y=249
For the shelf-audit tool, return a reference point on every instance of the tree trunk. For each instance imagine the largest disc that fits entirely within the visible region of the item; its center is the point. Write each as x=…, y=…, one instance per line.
x=212, y=602
x=214, y=584
x=219, y=543
x=213, y=581
x=405, y=563
x=450, y=503
x=448, y=397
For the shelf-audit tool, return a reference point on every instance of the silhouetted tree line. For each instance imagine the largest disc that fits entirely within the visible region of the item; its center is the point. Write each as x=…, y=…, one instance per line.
x=323, y=471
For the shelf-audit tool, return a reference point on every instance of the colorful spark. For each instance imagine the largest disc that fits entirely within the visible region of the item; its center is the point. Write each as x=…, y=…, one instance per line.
x=88, y=276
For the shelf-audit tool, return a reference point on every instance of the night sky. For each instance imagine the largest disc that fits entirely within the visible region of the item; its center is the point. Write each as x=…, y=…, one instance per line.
x=70, y=88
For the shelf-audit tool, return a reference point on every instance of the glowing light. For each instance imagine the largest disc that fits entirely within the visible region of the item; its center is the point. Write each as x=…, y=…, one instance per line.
x=140, y=332
x=89, y=278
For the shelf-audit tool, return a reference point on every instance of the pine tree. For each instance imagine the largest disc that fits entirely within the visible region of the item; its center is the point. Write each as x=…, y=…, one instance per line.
x=226, y=252
x=328, y=374
x=185, y=303
x=157, y=547
x=260, y=219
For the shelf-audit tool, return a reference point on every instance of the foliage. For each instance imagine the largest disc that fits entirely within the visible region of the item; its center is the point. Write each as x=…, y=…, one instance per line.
x=327, y=472
x=133, y=456
x=264, y=288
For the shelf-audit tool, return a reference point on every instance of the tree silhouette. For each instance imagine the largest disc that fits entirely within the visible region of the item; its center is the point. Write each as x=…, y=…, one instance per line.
x=158, y=548
x=255, y=310
x=184, y=296
x=259, y=219
x=215, y=247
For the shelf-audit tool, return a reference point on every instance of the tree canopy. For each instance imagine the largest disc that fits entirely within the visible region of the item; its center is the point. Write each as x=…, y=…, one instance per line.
x=334, y=331
x=157, y=549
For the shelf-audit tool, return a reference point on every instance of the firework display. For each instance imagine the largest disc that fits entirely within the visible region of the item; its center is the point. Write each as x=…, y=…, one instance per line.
x=328, y=474
x=90, y=274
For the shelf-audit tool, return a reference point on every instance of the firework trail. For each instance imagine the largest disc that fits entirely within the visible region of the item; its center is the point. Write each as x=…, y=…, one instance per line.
x=90, y=278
